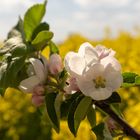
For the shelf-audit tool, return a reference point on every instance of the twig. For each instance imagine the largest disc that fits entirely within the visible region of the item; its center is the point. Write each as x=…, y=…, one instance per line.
x=127, y=129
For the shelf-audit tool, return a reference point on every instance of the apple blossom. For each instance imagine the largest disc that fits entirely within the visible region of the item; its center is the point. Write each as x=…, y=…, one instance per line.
x=55, y=64
x=37, y=75
x=97, y=71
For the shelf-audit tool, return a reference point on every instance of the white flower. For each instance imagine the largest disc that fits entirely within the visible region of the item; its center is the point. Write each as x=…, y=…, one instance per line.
x=96, y=70
x=38, y=74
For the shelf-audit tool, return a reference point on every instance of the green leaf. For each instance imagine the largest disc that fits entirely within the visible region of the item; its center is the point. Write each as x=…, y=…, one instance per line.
x=65, y=106
x=19, y=50
x=10, y=44
x=72, y=110
x=81, y=111
x=50, y=104
x=2, y=91
x=41, y=27
x=53, y=48
x=42, y=38
x=129, y=77
x=102, y=132
x=116, y=108
x=137, y=80
x=114, y=98
x=91, y=116
x=11, y=74
x=127, y=85
x=57, y=104
x=32, y=19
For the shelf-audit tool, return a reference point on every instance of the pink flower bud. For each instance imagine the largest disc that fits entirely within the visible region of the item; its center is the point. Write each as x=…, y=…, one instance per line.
x=38, y=90
x=55, y=64
x=72, y=85
x=112, y=125
x=38, y=100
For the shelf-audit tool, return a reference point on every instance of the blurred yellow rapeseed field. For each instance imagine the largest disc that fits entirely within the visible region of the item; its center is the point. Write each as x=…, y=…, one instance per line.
x=19, y=119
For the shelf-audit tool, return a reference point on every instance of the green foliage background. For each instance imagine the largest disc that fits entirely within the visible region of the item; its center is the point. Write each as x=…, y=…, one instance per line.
x=20, y=120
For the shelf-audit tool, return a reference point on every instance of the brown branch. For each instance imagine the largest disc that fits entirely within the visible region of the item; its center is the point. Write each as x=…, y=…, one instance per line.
x=127, y=129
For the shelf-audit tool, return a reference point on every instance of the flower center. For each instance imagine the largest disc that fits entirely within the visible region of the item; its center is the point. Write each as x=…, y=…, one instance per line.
x=99, y=82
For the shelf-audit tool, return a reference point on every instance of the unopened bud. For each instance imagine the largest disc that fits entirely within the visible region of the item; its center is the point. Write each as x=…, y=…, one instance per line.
x=72, y=86
x=55, y=64
x=38, y=100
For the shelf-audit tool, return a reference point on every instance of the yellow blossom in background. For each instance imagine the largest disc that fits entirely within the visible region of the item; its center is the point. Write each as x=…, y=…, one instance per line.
x=17, y=113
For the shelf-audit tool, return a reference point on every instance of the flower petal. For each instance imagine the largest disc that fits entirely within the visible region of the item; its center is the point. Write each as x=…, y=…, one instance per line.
x=74, y=64
x=88, y=89
x=39, y=68
x=113, y=61
x=28, y=84
x=87, y=51
x=93, y=72
x=113, y=78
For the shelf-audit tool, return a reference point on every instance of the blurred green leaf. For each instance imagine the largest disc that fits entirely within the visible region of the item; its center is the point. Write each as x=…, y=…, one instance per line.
x=65, y=106
x=11, y=75
x=71, y=113
x=10, y=44
x=19, y=50
x=57, y=104
x=129, y=77
x=42, y=38
x=102, y=132
x=81, y=111
x=116, y=108
x=41, y=27
x=127, y=85
x=32, y=19
x=53, y=48
x=137, y=80
x=50, y=104
x=18, y=30
x=91, y=116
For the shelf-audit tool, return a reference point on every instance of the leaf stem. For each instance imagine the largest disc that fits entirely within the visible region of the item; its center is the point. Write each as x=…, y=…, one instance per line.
x=127, y=129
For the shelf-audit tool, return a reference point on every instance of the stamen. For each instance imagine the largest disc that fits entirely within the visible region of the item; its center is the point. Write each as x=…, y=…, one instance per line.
x=99, y=82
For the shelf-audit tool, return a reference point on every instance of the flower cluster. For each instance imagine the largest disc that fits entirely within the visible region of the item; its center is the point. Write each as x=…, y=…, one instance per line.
x=96, y=70
x=38, y=70
x=93, y=71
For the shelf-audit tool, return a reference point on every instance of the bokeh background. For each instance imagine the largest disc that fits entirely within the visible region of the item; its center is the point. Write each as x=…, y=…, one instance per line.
x=113, y=23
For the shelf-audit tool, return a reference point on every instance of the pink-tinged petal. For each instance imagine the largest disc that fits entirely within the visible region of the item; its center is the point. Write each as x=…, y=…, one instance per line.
x=38, y=100
x=87, y=51
x=39, y=68
x=113, y=61
x=55, y=64
x=39, y=90
x=72, y=86
x=113, y=78
x=102, y=51
x=28, y=84
x=74, y=64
